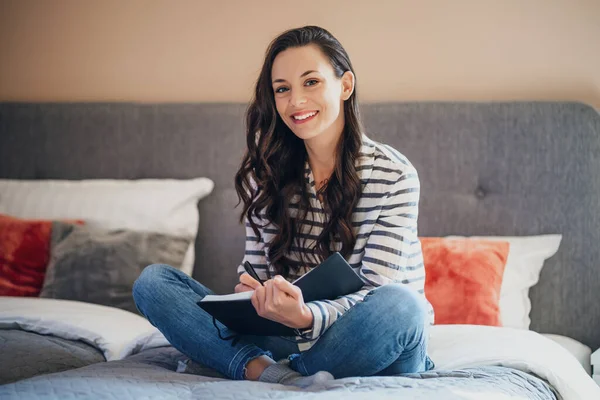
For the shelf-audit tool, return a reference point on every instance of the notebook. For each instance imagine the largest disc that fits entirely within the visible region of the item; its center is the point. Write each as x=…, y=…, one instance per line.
x=331, y=279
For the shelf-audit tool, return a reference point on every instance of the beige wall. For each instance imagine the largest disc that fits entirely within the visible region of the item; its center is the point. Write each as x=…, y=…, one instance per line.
x=171, y=51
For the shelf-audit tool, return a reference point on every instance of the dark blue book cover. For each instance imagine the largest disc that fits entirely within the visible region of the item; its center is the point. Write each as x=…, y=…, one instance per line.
x=329, y=280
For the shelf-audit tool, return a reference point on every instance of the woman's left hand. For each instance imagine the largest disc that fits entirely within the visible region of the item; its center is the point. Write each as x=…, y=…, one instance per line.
x=282, y=302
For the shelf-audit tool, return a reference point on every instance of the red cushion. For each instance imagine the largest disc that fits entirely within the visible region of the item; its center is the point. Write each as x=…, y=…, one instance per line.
x=463, y=279
x=24, y=255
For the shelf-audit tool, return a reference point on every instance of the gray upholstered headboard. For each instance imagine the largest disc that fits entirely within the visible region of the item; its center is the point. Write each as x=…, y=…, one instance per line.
x=497, y=169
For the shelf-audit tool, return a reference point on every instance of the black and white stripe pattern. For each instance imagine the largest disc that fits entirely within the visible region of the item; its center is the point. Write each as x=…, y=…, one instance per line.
x=387, y=249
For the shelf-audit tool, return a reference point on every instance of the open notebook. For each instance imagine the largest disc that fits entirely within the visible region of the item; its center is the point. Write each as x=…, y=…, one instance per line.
x=331, y=279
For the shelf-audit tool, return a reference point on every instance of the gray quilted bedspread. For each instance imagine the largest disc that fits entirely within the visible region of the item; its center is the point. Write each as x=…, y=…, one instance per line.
x=151, y=375
x=26, y=354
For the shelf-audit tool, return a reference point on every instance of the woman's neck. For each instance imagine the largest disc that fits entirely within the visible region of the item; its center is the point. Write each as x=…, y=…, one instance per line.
x=321, y=155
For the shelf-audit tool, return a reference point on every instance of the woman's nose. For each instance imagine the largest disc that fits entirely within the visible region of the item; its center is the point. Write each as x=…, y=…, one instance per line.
x=297, y=99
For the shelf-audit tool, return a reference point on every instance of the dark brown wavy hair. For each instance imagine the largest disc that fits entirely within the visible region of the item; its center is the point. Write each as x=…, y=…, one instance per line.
x=272, y=169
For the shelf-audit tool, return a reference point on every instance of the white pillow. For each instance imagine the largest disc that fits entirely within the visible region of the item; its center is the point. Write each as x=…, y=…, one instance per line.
x=157, y=205
x=526, y=258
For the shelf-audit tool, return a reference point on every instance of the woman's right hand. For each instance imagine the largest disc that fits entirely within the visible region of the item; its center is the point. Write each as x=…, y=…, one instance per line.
x=247, y=283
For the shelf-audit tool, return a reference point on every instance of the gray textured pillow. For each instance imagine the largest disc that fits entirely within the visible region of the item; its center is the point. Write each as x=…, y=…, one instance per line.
x=100, y=266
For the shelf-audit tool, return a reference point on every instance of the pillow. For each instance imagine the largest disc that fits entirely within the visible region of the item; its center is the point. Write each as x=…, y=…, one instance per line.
x=153, y=205
x=24, y=254
x=526, y=258
x=100, y=266
x=463, y=279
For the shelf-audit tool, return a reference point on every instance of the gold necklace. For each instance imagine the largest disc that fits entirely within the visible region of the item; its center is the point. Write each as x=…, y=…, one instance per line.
x=320, y=189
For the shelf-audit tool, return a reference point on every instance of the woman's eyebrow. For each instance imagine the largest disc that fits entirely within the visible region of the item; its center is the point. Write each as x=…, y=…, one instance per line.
x=304, y=74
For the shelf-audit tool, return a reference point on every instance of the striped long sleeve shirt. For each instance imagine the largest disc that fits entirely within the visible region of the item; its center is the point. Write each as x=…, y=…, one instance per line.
x=387, y=248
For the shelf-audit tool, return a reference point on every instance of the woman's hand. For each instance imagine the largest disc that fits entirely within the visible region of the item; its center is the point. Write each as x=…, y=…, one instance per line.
x=247, y=284
x=282, y=302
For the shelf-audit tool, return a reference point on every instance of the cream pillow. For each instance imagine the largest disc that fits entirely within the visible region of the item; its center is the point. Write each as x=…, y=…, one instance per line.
x=152, y=205
x=526, y=258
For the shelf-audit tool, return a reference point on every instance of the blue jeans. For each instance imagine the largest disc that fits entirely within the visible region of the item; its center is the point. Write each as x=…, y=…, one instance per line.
x=385, y=334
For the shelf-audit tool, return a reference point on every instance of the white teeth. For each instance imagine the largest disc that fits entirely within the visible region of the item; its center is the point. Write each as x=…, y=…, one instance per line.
x=305, y=116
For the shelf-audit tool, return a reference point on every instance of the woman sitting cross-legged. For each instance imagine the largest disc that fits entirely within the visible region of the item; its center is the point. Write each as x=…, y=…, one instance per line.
x=311, y=183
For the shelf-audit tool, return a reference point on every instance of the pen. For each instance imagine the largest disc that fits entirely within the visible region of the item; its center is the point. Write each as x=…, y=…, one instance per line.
x=250, y=270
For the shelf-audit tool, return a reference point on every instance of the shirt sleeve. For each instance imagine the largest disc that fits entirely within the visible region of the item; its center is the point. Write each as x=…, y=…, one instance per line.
x=392, y=253
x=254, y=253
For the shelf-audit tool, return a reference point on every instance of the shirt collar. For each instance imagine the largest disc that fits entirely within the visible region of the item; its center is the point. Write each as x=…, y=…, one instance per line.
x=364, y=164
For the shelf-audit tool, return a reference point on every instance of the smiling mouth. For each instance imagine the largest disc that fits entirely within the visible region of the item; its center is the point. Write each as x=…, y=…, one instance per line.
x=304, y=117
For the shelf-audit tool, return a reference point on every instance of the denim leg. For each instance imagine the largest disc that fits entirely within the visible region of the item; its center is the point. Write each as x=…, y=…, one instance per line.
x=386, y=333
x=167, y=298
x=406, y=364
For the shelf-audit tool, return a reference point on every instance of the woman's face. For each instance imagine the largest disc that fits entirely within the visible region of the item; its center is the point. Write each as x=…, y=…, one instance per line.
x=308, y=96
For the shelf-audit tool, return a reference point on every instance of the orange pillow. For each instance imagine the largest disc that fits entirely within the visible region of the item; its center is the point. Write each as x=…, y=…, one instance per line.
x=463, y=279
x=24, y=255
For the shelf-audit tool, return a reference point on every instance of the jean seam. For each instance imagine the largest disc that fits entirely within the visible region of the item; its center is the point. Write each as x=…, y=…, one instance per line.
x=389, y=362
x=420, y=351
x=241, y=355
x=299, y=363
x=232, y=369
x=253, y=357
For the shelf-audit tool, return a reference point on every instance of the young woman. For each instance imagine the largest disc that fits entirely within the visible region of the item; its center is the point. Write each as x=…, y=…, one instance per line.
x=311, y=183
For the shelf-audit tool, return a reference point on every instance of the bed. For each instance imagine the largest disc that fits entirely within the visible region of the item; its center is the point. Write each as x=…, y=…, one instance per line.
x=525, y=169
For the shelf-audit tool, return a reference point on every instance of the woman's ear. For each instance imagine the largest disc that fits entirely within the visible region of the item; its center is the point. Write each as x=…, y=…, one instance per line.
x=347, y=85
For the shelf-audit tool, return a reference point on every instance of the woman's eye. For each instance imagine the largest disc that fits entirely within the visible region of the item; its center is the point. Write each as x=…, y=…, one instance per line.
x=312, y=80
x=280, y=90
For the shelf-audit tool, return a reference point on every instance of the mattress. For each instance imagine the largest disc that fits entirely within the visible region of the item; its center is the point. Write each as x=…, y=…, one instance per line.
x=471, y=361
x=580, y=351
